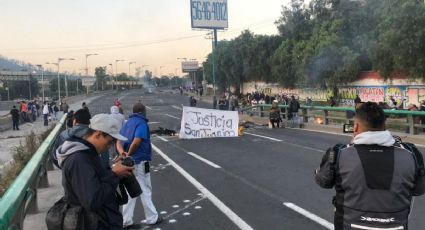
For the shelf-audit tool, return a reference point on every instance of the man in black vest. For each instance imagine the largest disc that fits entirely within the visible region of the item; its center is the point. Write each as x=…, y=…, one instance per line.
x=375, y=177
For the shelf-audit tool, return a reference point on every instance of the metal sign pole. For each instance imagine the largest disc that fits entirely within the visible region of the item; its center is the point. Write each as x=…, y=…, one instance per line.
x=213, y=57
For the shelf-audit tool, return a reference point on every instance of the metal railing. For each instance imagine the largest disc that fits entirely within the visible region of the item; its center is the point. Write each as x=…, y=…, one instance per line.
x=306, y=112
x=21, y=197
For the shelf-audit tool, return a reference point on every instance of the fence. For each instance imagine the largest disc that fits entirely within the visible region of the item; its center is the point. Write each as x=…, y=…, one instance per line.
x=323, y=113
x=21, y=197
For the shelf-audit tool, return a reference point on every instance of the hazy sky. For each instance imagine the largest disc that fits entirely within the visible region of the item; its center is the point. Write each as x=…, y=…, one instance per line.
x=153, y=33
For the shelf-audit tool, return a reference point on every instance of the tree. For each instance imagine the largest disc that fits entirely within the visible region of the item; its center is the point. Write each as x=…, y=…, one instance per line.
x=101, y=77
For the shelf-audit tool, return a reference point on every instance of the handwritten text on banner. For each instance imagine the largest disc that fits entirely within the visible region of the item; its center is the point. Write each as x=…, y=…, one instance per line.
x=203, y=123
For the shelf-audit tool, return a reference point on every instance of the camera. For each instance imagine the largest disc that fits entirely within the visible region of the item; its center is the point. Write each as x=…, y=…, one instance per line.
x=130, y=183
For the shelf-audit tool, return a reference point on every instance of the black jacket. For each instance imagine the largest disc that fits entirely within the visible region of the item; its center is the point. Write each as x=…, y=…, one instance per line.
x=87, y=183
x=375, y=180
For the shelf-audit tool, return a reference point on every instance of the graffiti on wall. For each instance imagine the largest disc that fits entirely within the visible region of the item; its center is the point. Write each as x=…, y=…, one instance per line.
x=415, y=96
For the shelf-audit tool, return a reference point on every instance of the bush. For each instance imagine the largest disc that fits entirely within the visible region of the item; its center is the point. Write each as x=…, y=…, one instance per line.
x=21, y=155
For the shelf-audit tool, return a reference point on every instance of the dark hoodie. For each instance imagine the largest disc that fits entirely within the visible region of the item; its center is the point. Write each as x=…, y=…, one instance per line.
x=87, y=183
x=78, y=130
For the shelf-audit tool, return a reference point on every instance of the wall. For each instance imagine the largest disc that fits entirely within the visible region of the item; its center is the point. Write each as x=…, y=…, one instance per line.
x=369, y=86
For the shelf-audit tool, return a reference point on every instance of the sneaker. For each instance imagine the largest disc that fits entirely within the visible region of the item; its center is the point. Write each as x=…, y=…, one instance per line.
x=158, y=221
x=133, y=226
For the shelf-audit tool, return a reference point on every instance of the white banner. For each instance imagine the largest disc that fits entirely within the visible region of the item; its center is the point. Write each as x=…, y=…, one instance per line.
x=88, y=81
x=203, y=123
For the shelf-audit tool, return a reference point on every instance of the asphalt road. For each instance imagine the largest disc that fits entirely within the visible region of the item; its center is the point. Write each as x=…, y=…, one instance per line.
x=262, y=180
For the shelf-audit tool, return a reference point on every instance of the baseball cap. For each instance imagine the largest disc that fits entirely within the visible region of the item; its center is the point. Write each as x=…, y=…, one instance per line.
x=107, y=124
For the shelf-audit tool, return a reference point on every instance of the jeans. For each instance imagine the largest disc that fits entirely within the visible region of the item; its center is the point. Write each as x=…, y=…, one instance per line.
x=151, y=215
x=15, y=124
x=46, y=122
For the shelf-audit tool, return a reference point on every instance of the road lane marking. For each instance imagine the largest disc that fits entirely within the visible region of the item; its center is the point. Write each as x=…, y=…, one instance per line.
x=218, y=203
x=204, y=160
x=176, y=107
x=162, y=138
x=278, y=140
x=270, y=138
x=148, y=107
x=310, y=215
x=154, y=122
x=168, y=115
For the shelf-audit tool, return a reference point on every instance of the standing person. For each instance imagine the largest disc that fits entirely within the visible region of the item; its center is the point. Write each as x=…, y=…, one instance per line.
x=117, y=102
x=55, y=111
x=80, y=125
x=46, y=112
x=65, y=107
x=84, y=106
x=115, y=113
x=138, y=147
x=15, y=118
x=422, y=108
x=85, y=181
x=375, y=177
x=24, y=109
x=357, y=100
x=294, y=106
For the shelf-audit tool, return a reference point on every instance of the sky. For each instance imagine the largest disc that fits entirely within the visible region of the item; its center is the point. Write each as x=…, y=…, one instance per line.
x=153, y=34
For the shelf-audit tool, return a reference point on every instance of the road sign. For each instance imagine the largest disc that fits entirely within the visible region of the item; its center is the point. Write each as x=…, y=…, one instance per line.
x=88, y=81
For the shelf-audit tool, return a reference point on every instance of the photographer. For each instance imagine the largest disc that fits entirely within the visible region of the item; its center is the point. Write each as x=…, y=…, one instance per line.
x=138, y=147
x=374, y=177
x=86, y=183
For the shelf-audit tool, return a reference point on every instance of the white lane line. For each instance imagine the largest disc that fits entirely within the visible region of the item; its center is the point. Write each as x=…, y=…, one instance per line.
x=168, y=115
x=176, y=107
x=310, y=215
x=218, y=203
x=256, y=135
x=148, y=107
x=153, y=122
x=162, y=138
x=274, y=139
x=204, y=160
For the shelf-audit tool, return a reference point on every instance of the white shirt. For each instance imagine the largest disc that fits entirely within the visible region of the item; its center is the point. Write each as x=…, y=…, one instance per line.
x=45, y=109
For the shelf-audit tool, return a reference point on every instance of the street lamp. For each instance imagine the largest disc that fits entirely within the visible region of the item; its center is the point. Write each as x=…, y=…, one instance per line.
x=42, y=79
x=58, y=65
x=116, y=68
x=112, y=75
x=87, y=70
x=129, y=64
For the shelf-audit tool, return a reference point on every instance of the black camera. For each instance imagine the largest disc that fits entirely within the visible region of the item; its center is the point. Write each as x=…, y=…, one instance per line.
x=130, y=183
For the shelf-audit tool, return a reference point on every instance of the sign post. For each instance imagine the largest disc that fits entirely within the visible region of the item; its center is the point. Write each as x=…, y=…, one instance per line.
x=210, y=14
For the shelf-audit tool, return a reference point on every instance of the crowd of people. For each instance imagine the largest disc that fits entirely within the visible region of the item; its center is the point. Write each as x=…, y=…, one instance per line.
x=93, y=154
x=29, y=111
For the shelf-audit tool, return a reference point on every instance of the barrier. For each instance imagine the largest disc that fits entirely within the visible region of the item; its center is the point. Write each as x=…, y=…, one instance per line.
x=263, y=109
x=21, y=197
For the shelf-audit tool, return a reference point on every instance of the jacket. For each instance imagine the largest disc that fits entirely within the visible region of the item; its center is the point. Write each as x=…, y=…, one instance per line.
x=375, y=180
x=88, y=184
x=294, y=106
x=78, y=130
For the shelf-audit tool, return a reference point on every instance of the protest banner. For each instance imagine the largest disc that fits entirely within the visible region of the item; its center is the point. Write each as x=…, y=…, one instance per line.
x=205, y=123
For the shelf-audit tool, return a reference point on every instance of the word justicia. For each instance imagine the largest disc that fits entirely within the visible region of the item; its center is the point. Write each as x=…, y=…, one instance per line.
x=210, y=120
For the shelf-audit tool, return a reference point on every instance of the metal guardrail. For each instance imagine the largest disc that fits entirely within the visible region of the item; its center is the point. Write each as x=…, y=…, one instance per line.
x=263, y=109
x=21, y=197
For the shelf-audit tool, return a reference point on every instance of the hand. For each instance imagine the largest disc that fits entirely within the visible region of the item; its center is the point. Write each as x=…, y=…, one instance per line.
x=121, y=170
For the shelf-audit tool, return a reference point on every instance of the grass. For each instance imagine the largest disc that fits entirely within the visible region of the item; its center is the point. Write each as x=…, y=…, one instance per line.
x=21, y=155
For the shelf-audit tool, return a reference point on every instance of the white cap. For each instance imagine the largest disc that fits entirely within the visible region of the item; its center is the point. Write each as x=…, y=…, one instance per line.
x=107, y=124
